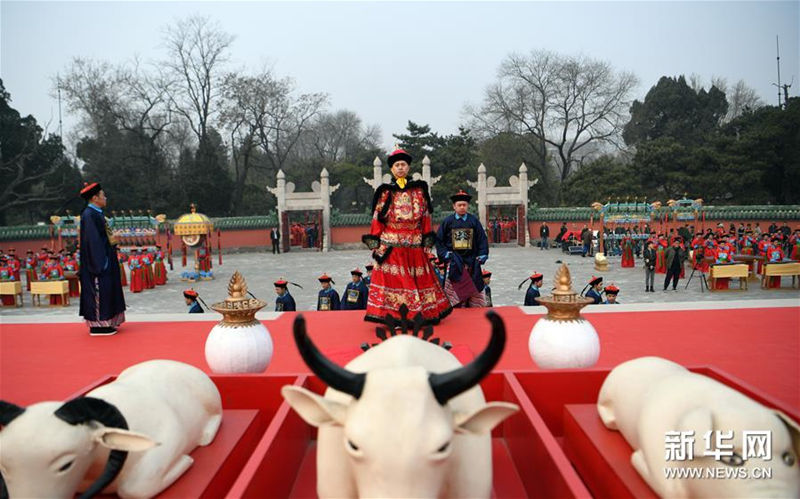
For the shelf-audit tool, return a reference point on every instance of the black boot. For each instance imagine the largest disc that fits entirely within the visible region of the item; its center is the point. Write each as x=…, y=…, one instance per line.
x=102, y=331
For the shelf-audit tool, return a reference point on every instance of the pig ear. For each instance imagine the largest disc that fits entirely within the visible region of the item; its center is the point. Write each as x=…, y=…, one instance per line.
x=485, y=418
x=794, y=430
x=314, y=409
x=699, y=420
x=124, y=440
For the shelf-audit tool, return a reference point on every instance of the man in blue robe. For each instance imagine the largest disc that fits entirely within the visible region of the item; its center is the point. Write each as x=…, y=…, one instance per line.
x=284, y=302
x=533, y=290
x=595, y=289
x=102, y=301
x=190, y=296
x=328, y=298
x=461, y=241
x=355, y=294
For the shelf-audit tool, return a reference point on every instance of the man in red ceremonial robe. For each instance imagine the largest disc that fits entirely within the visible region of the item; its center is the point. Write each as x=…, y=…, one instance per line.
x=70, y=265
x=627, y=251
x=723, y=254
x=400, y=232
x=54, y=272
x=774, y=254
x=661, y=249
x=122, y=258
x=762, y=251
x=137, y=273
x=30, y=268
x=159, y=270
x=794, y=243
x=7, y=275
x=146, y=261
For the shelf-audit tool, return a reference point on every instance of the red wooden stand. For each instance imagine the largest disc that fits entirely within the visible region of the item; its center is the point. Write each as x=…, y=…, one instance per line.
x=556, y=446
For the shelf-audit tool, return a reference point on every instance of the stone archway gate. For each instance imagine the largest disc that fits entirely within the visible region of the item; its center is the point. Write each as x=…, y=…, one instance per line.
x=318, y=199
x=515, y=194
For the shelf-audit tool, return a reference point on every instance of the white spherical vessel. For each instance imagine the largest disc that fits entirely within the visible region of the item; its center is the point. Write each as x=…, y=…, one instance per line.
x=239, y=343
x=559, y=344
x=234, y=348
x=563, y=338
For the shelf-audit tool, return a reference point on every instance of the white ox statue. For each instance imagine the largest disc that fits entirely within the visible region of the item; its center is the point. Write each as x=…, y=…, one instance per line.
x=162, y=407
x=647, y=397
x=404, y=419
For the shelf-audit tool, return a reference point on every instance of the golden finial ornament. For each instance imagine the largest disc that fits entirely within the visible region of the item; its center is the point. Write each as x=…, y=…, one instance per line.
x=564, y=304
x=238, y=309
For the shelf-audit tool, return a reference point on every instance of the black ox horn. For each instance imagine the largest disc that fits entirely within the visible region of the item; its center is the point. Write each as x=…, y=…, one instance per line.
x=452, y=383
x=9, y=411
x=82, y=410
x=444, y=385
x=334, y=376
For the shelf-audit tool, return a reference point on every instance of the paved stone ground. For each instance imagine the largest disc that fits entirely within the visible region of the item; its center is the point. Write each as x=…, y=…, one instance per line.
x=509, y=266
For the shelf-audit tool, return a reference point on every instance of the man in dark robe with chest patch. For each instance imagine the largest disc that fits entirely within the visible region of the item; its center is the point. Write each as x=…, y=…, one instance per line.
x=102, y=300
x=462, y=242
x=355, y=294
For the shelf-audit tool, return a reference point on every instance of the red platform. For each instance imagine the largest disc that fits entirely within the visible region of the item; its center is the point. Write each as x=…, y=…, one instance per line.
x=265, y=449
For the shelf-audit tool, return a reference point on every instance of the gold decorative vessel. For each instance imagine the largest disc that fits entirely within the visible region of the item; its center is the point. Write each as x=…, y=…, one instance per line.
x=564, y=304
x=239, y=343
x=238, y=308
x=563, y=338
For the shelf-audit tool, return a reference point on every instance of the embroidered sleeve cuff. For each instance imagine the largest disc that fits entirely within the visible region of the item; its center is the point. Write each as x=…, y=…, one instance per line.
x=371, y=241
x=429, y=239
x=381, y=257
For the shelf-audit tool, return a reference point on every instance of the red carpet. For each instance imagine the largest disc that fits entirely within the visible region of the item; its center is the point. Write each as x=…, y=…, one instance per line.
x=759, y=346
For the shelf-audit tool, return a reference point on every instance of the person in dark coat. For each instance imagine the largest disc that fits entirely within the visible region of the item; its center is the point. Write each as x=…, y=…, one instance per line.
x=190, y=296
x=355, y=294
x=328, y=298
x=275, y=238
x=586, y=239
x=284, y=302
x=102, y=300
x=533, y=290
x=461, y=241
x=674, y=256
x=544, y=234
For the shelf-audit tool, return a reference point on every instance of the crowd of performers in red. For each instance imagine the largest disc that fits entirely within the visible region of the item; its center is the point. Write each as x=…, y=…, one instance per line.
x=146, y=268
x=502, y=230
x=719, y=247
x=44, y=265
x=305, y=235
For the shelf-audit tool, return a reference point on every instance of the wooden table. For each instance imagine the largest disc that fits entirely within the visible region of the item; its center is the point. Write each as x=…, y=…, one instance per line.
x=790, y=268
x=39, y=288
x=729, y=271
x=12, y=288
x=750, y=260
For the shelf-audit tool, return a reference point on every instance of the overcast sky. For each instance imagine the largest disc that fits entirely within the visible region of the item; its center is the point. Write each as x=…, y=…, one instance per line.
x=391, y=62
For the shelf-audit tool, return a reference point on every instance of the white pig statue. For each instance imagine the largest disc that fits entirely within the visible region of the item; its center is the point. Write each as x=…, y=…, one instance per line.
x=649, y=398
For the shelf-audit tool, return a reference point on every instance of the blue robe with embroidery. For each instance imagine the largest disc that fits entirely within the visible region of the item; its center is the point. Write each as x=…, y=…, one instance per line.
x=355, y=296
x=101, y=286
x=196, y=309
x=469, y=257
x=285, y=303
x=328, y=299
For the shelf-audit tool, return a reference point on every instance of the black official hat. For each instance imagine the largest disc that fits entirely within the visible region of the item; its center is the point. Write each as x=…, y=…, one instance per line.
x=90, y=190
x=595, y=280
x=460, y=196
x=397, y=155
